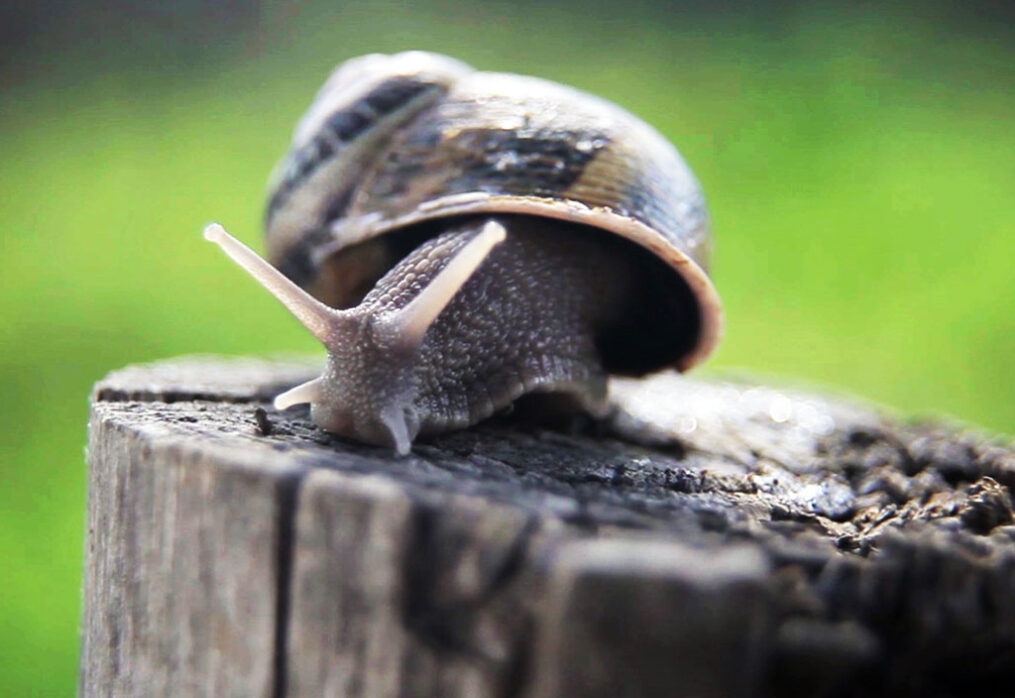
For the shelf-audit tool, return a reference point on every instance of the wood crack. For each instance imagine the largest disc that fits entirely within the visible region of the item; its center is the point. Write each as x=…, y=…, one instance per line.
x=288, y=495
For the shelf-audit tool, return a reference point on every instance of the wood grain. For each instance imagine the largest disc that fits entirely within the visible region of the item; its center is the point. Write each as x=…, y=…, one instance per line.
x=709, y=538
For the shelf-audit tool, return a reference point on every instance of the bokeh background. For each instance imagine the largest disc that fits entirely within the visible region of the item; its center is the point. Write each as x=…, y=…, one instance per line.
x=859, y=161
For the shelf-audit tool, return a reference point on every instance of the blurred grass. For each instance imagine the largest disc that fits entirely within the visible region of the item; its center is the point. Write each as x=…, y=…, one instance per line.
x=860, y=169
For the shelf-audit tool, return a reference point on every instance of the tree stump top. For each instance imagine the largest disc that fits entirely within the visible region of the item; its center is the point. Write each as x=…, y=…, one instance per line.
x=708, y=537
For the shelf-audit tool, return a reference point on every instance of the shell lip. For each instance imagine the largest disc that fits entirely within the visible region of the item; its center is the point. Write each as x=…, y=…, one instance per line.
x=350, y=231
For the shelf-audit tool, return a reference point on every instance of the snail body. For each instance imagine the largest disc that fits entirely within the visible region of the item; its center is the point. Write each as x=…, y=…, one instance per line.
x=468, y=238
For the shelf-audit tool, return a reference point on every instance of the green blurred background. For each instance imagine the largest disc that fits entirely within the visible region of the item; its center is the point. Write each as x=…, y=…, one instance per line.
x=859, y=162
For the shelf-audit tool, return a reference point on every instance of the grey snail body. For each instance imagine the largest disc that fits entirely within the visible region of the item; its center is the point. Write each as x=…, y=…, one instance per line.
x=459, y=239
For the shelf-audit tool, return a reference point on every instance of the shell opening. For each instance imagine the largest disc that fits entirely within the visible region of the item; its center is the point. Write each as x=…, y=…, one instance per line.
x=664, y=326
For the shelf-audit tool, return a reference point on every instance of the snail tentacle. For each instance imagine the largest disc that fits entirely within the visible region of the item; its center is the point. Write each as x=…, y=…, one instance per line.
x=304, y=393
x=411, y=322
x=322, y=321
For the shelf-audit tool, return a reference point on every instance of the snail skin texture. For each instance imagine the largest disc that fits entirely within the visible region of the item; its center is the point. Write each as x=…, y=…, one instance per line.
x=458, y=240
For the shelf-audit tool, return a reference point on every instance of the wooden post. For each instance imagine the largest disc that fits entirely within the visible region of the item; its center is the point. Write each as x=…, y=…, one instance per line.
x=708, y=539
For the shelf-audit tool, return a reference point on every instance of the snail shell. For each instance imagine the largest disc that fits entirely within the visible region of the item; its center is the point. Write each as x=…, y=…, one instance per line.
x=394, y=142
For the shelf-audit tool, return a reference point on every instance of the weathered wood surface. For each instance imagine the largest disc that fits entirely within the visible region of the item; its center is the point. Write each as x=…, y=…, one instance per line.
x=709, y=539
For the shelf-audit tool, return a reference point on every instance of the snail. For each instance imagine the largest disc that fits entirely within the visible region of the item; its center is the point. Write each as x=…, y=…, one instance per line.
x=460, y=239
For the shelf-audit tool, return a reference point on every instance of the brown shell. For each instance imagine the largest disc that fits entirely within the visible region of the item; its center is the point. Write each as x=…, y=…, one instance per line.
x=396, y=140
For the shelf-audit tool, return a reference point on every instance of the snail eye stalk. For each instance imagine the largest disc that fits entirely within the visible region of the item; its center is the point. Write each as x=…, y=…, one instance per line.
x=322, y=321
x=410, y=323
